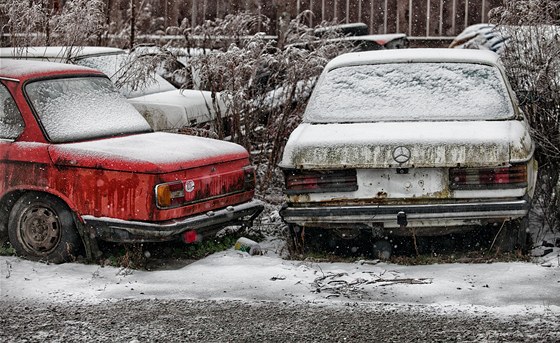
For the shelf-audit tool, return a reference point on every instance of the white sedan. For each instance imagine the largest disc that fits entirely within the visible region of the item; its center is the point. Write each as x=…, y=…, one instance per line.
x=411, y=142
x=162, y=105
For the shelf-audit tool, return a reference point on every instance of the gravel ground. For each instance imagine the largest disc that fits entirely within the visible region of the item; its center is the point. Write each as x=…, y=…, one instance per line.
x=232, y=321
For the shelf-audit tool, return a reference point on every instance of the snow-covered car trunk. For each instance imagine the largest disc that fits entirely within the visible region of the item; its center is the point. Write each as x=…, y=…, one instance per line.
x=435, y=144
x=418, y=138
x=442, y=147
x=175, y=109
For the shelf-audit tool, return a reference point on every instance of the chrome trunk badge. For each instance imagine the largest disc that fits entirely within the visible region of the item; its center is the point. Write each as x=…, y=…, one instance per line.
x=189, y=186
x=401, y=154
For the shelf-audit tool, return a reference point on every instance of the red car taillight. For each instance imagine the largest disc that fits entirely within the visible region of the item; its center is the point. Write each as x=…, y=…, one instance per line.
x=250, y=178
x=299, y=181
x=170, y=194
x=203, y=188
x=491, y=178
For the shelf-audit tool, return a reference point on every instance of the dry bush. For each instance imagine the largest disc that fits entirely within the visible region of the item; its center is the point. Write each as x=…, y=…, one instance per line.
x=264, y=83
x=33, y=23
x=533, y=66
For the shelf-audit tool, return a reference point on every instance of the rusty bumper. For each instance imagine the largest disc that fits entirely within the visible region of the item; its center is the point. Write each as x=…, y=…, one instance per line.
x=206, y=225
x=387, y=215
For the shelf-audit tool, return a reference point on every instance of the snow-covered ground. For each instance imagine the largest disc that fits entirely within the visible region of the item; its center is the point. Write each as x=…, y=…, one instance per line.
x=500, y=288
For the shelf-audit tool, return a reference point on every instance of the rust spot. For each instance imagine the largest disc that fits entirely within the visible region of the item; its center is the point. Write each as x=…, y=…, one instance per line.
x=300, y=198
x=382, y=194
x=443, y=194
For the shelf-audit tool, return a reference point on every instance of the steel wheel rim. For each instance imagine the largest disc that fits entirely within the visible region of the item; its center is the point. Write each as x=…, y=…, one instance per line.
x=39, y=230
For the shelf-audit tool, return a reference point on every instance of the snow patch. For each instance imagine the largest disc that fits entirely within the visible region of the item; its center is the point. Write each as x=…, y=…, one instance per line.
x=500, y=288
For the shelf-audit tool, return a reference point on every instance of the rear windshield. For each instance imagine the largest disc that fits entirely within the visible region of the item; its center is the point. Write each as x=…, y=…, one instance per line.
x=410, y=92
x=73, y=109
x=130, y=75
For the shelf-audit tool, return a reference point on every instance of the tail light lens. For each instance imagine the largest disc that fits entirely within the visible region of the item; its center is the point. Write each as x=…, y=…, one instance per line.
x=299, y=181
x=514, y=176
x=170, y=194
x=250, y=178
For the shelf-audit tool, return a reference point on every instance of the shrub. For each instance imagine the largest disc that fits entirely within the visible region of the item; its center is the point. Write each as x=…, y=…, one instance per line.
x=533, y=66
x=264, y=83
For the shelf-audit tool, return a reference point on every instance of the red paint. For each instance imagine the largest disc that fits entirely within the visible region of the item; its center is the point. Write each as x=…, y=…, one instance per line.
x=114, y=188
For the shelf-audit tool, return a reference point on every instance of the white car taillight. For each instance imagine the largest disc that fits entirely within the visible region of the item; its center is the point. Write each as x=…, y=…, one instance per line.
x=299, y=181
x=514, y=176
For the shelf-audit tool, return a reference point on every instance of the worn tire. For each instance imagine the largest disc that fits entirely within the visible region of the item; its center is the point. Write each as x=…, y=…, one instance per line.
x=41, y=227
x=513, y=236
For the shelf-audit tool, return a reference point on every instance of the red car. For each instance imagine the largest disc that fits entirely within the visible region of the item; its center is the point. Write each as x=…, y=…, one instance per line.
x=81, y=164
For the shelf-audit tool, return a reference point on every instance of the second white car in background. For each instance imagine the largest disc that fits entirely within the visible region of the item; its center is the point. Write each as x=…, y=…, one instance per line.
x=165, y=107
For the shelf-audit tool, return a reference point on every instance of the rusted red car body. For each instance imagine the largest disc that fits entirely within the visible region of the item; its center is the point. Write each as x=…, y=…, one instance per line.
x=112, y=185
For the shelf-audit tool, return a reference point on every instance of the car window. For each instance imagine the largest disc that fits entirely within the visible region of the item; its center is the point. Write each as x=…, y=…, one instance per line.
x=80, y=108
x=115, y=66
x=410, y=92
x=11, y=122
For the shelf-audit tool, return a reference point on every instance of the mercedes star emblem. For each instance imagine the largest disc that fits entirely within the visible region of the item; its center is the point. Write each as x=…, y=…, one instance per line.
x=401, y=154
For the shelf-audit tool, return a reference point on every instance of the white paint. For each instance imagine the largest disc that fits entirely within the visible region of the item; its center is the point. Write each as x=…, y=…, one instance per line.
x=176, y=108
x=432, y=144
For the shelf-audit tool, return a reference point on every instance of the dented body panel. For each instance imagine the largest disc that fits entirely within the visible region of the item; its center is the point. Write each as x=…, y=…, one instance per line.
x=109, y=183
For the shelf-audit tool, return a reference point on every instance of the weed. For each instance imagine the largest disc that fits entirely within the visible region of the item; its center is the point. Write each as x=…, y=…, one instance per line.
x=461, y=257
x=205, y=248
x=427, y=250
x=126, y=256
x=6, y=249
x=145, y=255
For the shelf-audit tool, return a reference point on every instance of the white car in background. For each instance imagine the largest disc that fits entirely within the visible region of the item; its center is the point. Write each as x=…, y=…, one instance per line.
x=165, y=107
x=414, y=142
x=521, y=44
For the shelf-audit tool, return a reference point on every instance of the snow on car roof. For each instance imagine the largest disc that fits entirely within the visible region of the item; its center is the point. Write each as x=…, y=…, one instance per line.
x=58, y=52
x=412, y=55
x=25, y=69
x=380, y=38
